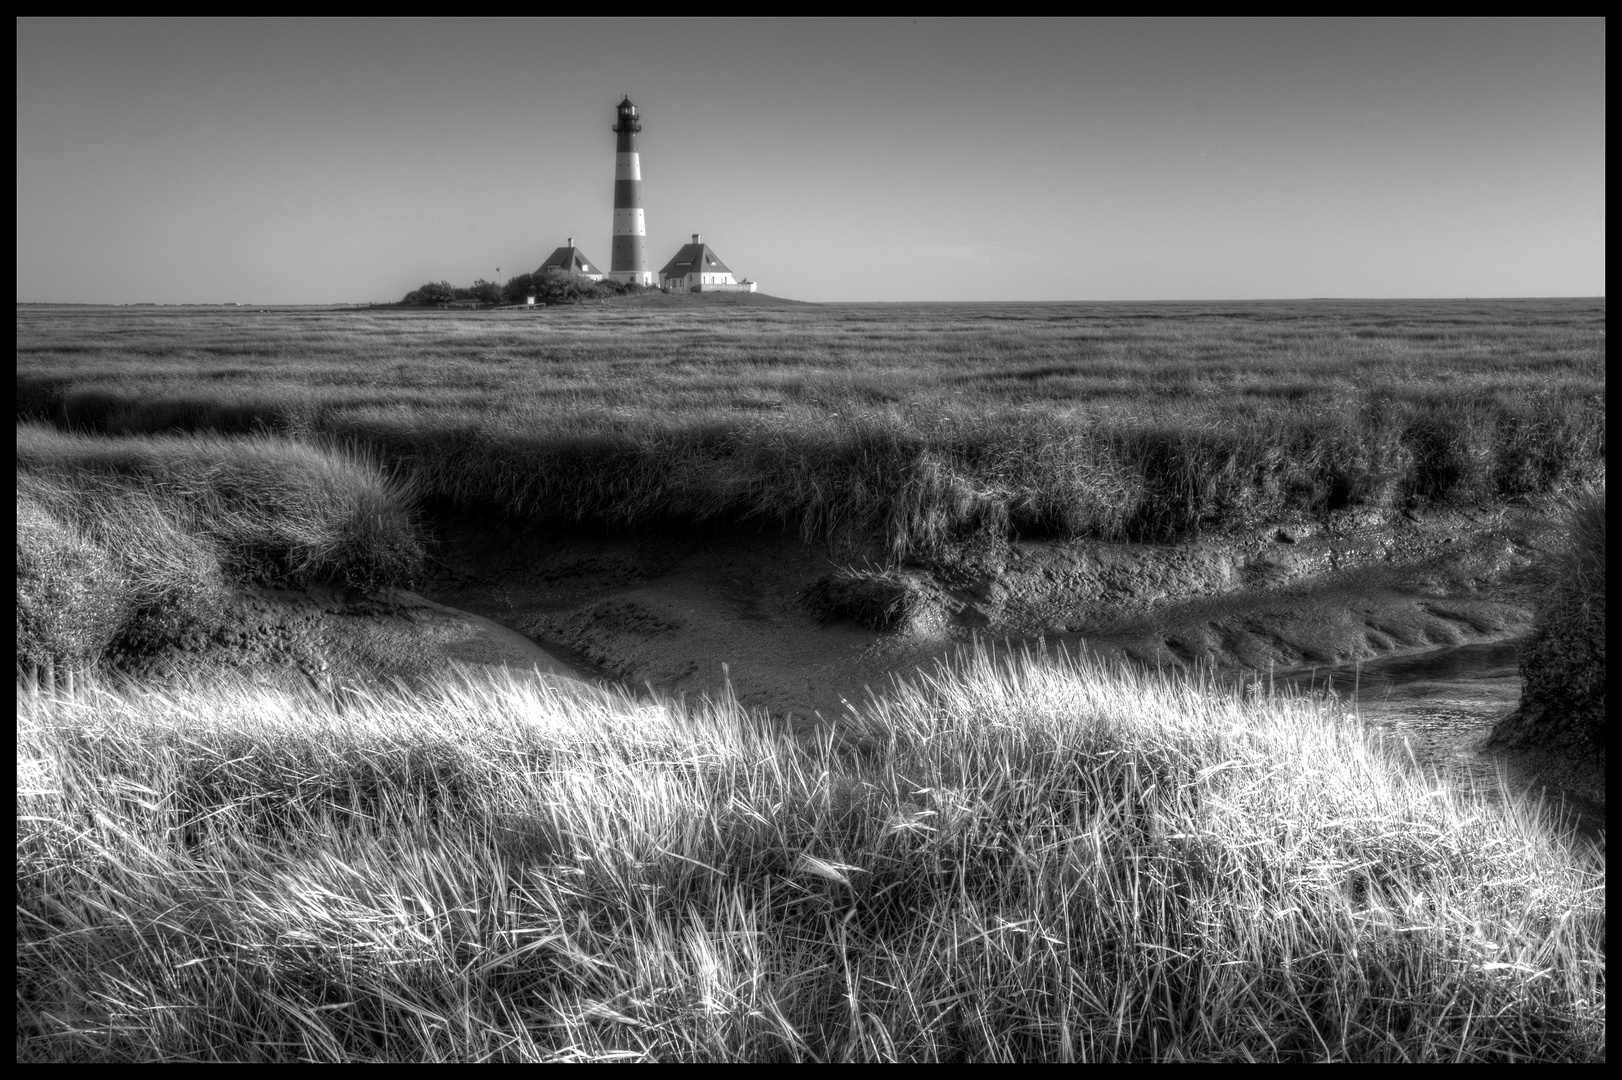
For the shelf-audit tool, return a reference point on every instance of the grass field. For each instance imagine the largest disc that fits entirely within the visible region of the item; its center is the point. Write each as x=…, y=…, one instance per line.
x=1037, y=860
x=911, y=427
x=1025, y=860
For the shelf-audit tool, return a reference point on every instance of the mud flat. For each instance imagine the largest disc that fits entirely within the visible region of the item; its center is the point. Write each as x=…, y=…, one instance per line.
x=336, y=641
x=1300, y=601
x=1414, y=620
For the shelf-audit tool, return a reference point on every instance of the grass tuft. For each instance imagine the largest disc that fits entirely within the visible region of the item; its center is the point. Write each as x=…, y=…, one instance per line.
x=127, y=547
x=71, y=600
x=106, y=575
x=877, y=599
x=1563, y=662
x=277, y=511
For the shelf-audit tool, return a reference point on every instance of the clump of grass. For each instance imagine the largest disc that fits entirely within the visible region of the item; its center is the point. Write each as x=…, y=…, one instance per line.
x=1023, y=860
x=1563, y=662
x=1454, y=455
x=879, y=599
x=127, y=547
x=275, y=511
x=69, y=602
x=106, y=576
x=1062, y=482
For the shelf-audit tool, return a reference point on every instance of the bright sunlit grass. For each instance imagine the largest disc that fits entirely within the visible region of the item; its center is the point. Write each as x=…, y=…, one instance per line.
x=1027, y=860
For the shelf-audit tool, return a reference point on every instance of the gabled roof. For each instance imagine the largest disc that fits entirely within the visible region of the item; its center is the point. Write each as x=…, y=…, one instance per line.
x=569, y=260
x=694, y=259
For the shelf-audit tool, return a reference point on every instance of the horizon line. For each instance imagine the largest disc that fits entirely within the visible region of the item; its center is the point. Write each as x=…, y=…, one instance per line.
x=1175, y=300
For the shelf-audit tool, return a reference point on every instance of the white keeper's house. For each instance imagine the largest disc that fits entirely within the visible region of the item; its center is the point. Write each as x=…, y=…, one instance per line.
x=696, y=268
x=570, y=260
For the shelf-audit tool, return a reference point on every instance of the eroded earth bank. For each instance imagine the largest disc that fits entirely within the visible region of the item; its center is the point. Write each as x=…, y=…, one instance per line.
x=684, y=614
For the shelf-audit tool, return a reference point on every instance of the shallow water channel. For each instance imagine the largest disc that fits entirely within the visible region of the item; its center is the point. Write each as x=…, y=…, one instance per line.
x=1441, y=703
x=1420, y=675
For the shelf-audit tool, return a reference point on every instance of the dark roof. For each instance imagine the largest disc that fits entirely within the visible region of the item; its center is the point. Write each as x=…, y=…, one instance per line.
x=694, y=259
x=570, y=260
x=624, y=103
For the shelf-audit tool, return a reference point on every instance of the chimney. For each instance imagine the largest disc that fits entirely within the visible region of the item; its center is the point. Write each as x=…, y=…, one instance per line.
x=695, y=238
x=571, y=241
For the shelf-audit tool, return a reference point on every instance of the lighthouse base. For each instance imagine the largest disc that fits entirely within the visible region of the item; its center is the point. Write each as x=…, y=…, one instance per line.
x=633, y=277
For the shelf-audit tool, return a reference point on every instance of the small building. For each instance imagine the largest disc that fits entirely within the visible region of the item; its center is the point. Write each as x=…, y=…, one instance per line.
x=696, y=268
x=570, y=260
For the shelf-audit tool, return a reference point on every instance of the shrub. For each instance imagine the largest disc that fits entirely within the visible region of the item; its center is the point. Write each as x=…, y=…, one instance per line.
x=486, y=292
x=557, y=287
x=434, y=292
x=553, y=286
x=518, y=289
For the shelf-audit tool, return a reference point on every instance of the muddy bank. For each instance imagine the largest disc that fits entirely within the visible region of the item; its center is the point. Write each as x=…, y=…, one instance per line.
x=329, y=639
x=670, y=611
x=1415, y=620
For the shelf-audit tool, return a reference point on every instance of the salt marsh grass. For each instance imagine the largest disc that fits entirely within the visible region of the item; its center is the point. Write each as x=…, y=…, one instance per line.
x=1036, y=859
x=1563, y=661
x=125, y=543
x=914, y=426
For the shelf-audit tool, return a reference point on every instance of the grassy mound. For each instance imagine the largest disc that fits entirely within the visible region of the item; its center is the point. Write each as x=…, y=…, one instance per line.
x=127, y=544
x=1038, y=861
x=104, y=576
x=1563, y=663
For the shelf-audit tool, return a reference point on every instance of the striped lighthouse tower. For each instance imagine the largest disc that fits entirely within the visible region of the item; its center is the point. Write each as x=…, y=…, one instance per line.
x=629, y=261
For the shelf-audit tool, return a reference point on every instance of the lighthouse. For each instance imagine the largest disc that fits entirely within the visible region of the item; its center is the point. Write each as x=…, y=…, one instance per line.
x=629, y=260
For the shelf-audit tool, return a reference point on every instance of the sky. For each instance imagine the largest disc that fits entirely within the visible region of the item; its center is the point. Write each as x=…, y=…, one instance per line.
x=294, y=161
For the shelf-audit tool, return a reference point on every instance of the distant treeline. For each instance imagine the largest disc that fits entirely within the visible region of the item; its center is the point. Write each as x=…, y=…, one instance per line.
x=548, y=287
